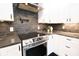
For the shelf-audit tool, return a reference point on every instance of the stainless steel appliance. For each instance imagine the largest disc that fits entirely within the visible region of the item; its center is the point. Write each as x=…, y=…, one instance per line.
x=35, y=46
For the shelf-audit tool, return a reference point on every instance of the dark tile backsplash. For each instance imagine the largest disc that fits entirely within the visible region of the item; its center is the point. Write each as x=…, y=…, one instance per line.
x=24, y=21
x=72, y=27
x=68, y=27
x=5, y=27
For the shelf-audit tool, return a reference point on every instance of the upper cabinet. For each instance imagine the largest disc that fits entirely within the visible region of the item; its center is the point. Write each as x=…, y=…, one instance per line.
x=6, y=12
x=44, y=14
x=59, y=12
x=73, y=10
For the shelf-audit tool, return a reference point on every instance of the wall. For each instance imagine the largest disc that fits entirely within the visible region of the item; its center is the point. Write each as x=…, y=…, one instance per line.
x=30, y=22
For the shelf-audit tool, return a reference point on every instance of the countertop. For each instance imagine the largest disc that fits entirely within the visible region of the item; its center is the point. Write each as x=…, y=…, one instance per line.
x=10, y=39
x=13, y=38
x=30, y=35
x=69, y=34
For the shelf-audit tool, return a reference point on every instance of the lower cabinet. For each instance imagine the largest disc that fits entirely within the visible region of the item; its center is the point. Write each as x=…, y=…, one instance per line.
x=63, y=45
x=14, y=50
x=59, y=45
x=72, y=46
x=50, y=45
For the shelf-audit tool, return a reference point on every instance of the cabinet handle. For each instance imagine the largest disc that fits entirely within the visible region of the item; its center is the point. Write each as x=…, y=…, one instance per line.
x=52, y=36
x=67, y=46
x=11, y=16
x=69, y=39
x=66, y=55
x=69, y=19
x=19, y=47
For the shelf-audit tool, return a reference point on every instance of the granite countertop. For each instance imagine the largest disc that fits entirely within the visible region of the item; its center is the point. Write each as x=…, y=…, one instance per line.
x=10, y=39
x=44, y=32
x=69, y=34
x=30, y=35
x=13, y=38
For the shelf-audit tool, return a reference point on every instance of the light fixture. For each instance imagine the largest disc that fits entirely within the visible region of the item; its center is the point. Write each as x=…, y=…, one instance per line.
x=26, y=3
x=63, y=27
x=38, y=27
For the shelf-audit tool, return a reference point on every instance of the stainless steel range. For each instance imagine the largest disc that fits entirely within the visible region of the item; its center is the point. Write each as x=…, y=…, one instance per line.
x=34, y=46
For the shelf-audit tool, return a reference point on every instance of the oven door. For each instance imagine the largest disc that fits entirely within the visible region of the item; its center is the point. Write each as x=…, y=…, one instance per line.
x=39, y=50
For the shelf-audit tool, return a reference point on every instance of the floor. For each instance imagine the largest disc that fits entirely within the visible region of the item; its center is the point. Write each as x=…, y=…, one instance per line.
x=53, y=54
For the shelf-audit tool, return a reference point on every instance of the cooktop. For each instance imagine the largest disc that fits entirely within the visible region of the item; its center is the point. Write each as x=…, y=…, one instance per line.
x=30, y=35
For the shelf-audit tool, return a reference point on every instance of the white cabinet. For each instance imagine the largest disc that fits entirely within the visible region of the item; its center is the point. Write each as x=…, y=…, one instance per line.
x=55, y=44
x=50, y=46
x=51, y=13
x=73, y=10
x=72, y=46
x=65, y=12
x=6, y=12
x=45, y=13
x=43, y=16
x=65, y=46
x=70, y=13
x=14, y=50
x=59, y=44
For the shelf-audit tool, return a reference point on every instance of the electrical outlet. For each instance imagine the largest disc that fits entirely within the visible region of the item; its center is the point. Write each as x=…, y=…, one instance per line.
x=11, y=29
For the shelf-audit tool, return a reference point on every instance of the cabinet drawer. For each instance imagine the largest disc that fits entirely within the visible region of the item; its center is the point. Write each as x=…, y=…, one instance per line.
x=74, y=40
x=72, y=51
x=69, y=51
x=61, y=51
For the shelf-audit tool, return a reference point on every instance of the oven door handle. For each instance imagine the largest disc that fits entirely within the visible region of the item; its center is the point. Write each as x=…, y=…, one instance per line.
x=19, y=47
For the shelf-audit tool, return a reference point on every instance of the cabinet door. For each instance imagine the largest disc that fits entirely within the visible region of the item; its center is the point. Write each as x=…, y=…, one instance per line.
x=71, y=13
x=59, y=44
x=74, y=12
x=72, y=49
x=14, y=50
x=72, y=46
x=50, y=46
x=43, y=15
x=55, y=14
x=6, y=12
x=65, y=12
x=3, y=51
